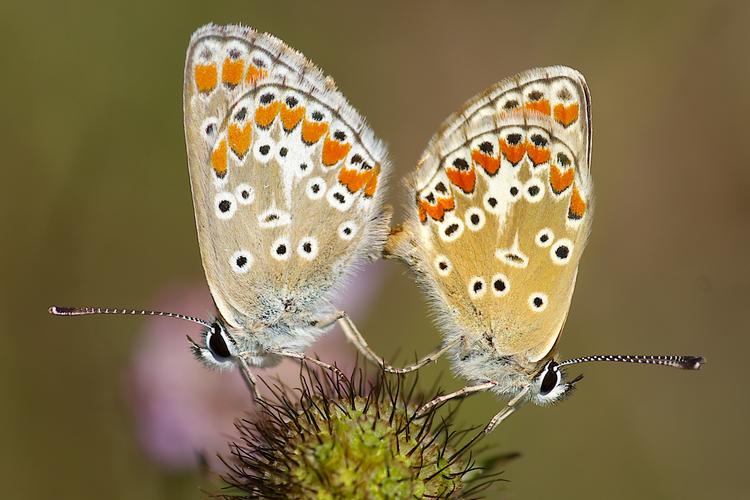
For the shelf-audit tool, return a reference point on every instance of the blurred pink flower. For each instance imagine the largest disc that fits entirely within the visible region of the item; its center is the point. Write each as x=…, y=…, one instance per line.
x=183, y=410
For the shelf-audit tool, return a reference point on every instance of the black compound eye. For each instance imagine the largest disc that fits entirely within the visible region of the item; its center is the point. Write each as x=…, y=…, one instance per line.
x=216, y=343
x=549, y=381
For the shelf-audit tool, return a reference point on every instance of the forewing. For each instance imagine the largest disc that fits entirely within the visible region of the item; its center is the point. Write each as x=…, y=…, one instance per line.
x=503, y=199
x=286, y=176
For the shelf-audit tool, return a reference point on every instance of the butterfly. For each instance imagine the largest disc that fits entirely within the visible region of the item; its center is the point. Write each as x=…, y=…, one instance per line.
x=288, y=184
x=503, y=205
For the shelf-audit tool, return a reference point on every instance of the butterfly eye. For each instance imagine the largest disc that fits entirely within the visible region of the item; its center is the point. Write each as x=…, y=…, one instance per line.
x=217, y=345
x=550, y=379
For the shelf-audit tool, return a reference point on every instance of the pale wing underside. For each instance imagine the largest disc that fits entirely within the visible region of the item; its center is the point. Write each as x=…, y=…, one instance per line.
x=286, y=176
x=503, y=208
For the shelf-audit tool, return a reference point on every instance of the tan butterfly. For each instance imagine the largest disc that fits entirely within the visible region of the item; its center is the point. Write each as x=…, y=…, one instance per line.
x=503, y=208
x=287, y=183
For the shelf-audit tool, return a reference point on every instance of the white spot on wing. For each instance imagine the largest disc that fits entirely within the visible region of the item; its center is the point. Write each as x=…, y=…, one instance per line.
x=264, y=148
x=274, y=217
x=280, y=249
x=515, y=190
x=492, y=203
x=347, y=230
x=224, y=205
x=316, y=188
x=500, y=285
x=259, y=59
x=308, y=248
x=475, y=218
x=340, y=198
x=544, y=237
x=451, y=228
x=241, y=261
x=533, y=190
x=209, y=130
x=513, y=256
x=244, y=193
x=538, y=301
x=509, y=101
x=443, y=265
x=561, y=251
x=477, y=287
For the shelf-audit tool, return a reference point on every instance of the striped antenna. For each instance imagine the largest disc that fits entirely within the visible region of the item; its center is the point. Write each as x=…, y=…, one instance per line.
x=684, y=362
x=84, y=311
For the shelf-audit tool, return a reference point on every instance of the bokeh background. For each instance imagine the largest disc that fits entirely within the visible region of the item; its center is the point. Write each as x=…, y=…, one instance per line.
x=96, y=210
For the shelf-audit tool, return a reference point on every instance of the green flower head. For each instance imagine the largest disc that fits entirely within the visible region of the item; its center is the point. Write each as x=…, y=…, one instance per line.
x=351, y=438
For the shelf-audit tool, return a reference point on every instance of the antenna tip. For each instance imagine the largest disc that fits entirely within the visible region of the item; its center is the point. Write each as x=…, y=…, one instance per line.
x=60, y=311
x=693, y=362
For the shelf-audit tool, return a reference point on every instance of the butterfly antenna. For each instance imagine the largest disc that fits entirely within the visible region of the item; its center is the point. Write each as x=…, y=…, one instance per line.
x=84, y=311
x=684, y=362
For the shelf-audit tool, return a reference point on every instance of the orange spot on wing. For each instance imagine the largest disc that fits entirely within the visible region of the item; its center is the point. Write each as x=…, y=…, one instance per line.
x=560, y=181
x=537, y=154
x=255, y=73
x=437, y=211
x=513, y=153
x=490, y=164
x=541, y=105
x=422, y=213
x=219, y=159
x=334, y=151
x=447, y=204
x=206, y=77
x=353, y=179
x=434, y=211
x=239, y=138
x=291, y=117
x=577, y=206
x=372, y=184
x=265, y=115
x=464, y=179
x=565, y=115
x=231, y=72
x=313, y=131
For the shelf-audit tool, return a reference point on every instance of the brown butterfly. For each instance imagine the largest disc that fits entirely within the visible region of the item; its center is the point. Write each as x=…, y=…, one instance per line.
x=503, y=205
x=287, y=182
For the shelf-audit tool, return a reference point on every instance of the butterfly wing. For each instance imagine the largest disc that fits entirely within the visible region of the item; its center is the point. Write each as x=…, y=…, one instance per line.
x=503, y=198
x=286, y=176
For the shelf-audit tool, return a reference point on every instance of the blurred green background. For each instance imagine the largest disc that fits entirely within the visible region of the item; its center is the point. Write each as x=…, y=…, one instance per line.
x=97, y=210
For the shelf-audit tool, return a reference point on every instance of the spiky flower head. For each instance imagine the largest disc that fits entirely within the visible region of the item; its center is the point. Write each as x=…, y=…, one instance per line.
x=350, y=438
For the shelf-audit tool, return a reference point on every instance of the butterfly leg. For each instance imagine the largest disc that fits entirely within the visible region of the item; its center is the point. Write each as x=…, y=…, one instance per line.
x=249, y=378
x=453, y=395
x=302, y=358
x=356, y=338
x=505, y=412
x=433, y=356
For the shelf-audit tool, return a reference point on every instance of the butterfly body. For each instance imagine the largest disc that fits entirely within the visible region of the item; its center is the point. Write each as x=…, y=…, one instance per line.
x=287, y=189
x=503, y=207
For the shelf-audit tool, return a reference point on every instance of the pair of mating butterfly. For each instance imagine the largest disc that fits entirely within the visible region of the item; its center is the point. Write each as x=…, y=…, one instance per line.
x=287, y=184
